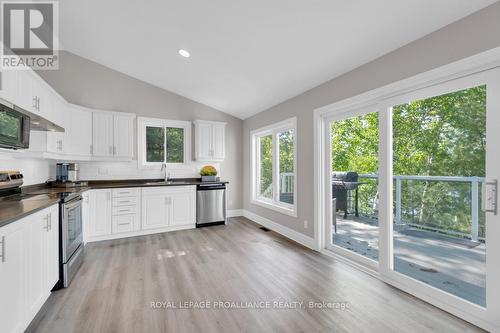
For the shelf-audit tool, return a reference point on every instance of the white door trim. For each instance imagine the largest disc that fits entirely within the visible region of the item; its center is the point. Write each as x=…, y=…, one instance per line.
x=472, y=65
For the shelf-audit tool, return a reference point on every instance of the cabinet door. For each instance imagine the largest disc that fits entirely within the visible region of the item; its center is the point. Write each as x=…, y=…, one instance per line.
x=12, y=276
x=182, y=208
x=52, y=246
x=9, y=84
x=204, y=142
x=102, y=134
x=45, y=101
x=26, y=98
x=154, y=211
x=219, y=141
x=123, y=136
x=100, y=217
x=80, y=131
x=36, y=254
x=57, y=142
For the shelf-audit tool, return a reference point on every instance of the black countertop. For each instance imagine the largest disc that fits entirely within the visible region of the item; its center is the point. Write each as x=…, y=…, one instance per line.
x=37, y=197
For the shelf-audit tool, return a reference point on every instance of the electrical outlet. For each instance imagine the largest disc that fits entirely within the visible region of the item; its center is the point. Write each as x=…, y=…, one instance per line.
x=306, y=224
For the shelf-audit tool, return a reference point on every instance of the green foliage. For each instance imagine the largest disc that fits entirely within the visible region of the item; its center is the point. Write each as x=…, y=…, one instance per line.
x=266, y=165
x=9, y=125
x=155, y=141
x=438, y=136
x=155, y=144
x=175, y=145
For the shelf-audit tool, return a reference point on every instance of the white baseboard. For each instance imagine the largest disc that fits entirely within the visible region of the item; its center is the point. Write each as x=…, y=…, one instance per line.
x=280, y=229
x=235, y=212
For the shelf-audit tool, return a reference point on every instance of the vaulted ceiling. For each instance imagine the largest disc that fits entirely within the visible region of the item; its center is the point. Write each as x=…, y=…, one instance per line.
x=247, y=56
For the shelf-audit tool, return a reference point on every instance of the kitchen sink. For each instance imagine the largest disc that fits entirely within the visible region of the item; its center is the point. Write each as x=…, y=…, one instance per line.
x=170, y=182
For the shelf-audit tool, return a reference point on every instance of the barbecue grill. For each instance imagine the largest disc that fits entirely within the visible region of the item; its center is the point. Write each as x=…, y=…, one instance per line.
x=343, y=184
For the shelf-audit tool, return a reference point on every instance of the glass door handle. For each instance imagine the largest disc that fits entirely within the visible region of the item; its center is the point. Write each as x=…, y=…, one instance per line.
x=489, y=196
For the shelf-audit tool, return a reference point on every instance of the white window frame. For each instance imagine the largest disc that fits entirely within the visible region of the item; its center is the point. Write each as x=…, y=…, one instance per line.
x=257, y=199
x=143, y=122
x=424, y=85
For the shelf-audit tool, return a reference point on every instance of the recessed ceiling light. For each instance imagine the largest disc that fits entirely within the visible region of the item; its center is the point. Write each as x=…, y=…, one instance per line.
x=184, y=53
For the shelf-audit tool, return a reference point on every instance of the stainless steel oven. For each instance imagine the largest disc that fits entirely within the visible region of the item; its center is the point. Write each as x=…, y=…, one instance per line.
x=71, y=244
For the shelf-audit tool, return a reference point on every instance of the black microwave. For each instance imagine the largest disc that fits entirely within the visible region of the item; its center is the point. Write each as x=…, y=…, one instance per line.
x=14, y=128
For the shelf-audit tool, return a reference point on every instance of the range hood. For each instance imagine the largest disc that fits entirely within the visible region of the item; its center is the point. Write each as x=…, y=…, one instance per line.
x=37, y=123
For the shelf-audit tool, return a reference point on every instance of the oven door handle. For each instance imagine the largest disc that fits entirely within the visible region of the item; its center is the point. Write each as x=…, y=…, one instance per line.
x=73, y=203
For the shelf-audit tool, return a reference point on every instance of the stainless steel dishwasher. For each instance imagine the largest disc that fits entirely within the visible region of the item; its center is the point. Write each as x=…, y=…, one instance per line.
x=210, y=204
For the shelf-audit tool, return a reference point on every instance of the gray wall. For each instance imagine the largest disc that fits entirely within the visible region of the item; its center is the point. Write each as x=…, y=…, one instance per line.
x=471, y=35
x=83, y=82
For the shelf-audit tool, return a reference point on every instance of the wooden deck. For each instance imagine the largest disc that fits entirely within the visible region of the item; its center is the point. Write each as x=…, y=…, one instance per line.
x=455, y=265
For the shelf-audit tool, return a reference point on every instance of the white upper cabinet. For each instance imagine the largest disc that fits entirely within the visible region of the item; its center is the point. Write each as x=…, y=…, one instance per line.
x=79, y=131
x=102, y=134
x=112, y=135
x=210, y=138
x=25, y=94
x=57, y=142
x=9, y=85
x=123, y=136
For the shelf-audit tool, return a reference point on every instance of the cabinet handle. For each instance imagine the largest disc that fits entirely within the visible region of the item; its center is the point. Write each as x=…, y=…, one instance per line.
x=46, y=219
x=123, y=223
x=38, y=103
x=114, y=150
x=124, y=201
x=3, y=248
x=124, y=210
x=91, y=149
x=34, y=102
x=50, y=221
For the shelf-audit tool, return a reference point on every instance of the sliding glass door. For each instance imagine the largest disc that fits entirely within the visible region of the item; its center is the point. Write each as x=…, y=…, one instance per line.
x=354, y=184
x=410, y=191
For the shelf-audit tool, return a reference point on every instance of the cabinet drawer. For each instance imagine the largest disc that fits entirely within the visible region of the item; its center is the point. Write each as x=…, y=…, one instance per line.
x=125, y=192
x=123, y=223
x=122, y=210
x=130, y=201
x=160, y=190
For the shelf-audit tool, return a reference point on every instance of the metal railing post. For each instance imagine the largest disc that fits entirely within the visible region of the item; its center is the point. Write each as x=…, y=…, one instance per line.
x=475, y=209
x=398, y=199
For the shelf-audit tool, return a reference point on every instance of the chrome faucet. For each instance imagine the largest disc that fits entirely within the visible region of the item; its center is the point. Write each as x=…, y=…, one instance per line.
x=166, y=175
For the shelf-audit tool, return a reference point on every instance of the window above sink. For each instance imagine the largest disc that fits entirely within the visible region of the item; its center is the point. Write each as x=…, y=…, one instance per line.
x=163, y=141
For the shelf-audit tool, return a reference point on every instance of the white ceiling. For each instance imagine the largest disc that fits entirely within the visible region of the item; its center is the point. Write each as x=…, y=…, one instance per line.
x=247, y=56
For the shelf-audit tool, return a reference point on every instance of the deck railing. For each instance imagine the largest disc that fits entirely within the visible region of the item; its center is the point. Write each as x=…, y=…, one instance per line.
x=286, y=182
x=475, y=199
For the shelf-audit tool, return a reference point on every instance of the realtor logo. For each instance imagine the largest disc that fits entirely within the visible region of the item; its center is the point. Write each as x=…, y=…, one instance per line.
x=29, y=35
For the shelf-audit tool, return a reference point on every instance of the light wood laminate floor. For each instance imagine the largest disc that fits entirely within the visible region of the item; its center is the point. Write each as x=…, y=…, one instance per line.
x=239, y=263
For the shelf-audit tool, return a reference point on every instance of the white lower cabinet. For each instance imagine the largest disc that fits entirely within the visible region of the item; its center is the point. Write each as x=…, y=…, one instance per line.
x=125, y=212
x=13, y=277
x=29, y=267
x=182, y=206
x=154, y=209
x=100, y=213
x=124, y=223
x=168, y=206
